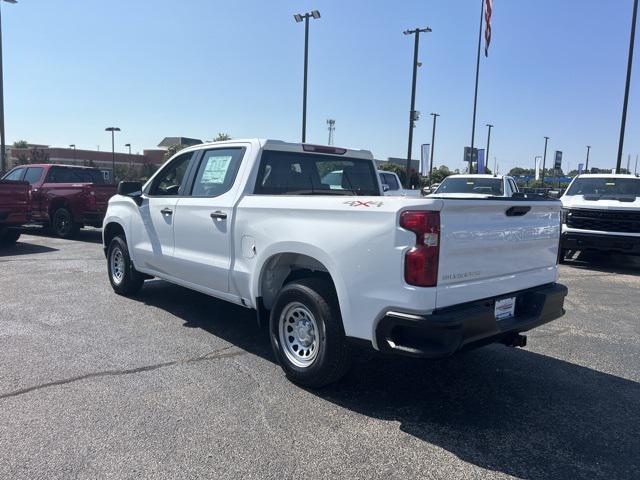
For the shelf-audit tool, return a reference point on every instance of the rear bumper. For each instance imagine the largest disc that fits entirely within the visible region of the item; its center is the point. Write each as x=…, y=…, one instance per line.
x=609, y=243
x=466, y=326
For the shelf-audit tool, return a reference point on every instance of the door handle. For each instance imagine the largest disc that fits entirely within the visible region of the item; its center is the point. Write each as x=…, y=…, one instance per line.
x=166, y=211
x=218, y=215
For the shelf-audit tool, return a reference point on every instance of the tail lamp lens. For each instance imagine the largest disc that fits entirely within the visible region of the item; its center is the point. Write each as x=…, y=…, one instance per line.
x=421, y=262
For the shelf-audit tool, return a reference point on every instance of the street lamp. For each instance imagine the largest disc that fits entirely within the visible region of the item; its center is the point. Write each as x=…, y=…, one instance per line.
x=130, y=162
x=433, y=145
x=73, y=145
x=486, y=154
x=3, y=149
x=544, y=158
x=299, y=18
x=413, y=115
x=113, y=130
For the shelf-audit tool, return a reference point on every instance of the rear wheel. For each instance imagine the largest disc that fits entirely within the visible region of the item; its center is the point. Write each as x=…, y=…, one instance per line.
x=8, y=236
x=307, y=335
x=63, y=224
x=124, y=278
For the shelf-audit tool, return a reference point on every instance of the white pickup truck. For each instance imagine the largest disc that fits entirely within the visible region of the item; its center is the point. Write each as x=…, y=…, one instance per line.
x=477, y=185
x=601, y=212
x=328, y=264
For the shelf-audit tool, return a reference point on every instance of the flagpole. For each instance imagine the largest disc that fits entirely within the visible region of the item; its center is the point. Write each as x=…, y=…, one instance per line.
x=475, y=96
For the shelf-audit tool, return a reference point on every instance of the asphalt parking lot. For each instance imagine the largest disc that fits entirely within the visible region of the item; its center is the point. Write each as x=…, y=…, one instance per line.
x=174, y=384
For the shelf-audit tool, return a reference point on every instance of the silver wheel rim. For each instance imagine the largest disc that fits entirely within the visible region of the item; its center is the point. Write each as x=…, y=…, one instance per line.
x=298, y=333
x=62, y=223
x=117, y=265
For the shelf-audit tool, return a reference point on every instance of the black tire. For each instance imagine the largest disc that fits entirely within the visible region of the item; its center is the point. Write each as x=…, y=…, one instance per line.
x=8, y=237
x=124, y=278
x=331, y=354
x=62, y=223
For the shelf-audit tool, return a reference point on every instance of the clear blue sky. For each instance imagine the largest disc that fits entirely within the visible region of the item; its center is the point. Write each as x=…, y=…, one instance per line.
x=160, y=68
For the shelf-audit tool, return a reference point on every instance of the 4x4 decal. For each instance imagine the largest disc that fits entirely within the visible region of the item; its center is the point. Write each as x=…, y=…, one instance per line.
x=368, y=203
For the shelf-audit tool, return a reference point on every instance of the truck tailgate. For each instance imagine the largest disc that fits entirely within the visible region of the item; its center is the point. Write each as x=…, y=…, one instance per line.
x=492, y=247
x=14, y=200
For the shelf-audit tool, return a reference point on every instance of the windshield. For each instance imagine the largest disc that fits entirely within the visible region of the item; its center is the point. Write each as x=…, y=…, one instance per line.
x=298, y=173
x=604, y=186
x=484, y=186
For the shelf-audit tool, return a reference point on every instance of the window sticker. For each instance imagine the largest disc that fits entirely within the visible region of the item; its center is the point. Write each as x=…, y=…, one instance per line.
x=216, y=169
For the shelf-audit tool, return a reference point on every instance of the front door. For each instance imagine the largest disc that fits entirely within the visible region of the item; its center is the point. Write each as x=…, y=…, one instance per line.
x=152, y=231
x=204, y=219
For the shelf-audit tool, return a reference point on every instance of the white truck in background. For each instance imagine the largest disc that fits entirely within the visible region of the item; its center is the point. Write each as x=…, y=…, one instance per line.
x=328, y=260
x=392, y=186
x=601, y=212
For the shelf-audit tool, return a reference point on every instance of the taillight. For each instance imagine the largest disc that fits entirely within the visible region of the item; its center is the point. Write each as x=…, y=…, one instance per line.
x=421, y=262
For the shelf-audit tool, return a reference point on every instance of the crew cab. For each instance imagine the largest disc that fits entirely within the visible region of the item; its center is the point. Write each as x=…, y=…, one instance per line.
x=65, y=197
x=601, y=212
x=478, y=185
x=329, y=261
x=14, y=210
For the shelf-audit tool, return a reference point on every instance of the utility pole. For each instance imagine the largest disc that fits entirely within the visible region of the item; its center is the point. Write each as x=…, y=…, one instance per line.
x=544, y=158
x=635, y=170
x=486, y=154
x=626, y=88
x=113, y=130
x=628, y=162
x=413, y=115
x=299, y=18
x=3, y=146
x=433, y=145
x=586, y=166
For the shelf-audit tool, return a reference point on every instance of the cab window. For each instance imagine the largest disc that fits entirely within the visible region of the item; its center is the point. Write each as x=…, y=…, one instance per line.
x=169, y=180
x=217, y=172
x=33, y=175
x=14, y=174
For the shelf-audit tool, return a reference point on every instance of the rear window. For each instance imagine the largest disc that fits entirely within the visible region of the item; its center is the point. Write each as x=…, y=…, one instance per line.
x=293, y=173
x=484, y=186
x=74, y=175
x=604, y=186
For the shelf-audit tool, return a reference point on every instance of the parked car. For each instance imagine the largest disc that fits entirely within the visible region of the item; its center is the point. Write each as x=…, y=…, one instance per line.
x=391, y=185
x=478, y=185
x=601, y=212
x=14, y=210
x=258, y=223
x=65, y=197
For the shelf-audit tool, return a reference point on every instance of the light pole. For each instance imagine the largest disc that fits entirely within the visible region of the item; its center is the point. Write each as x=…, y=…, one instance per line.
x=544, y=158
x=113, y=130
x=486, y=154
x=586, y=166
x=413, y=115
x=130, y=162
x=626, y=88
x=299, y=18
x=433, y=145
x=3, y=160
x=73, y=145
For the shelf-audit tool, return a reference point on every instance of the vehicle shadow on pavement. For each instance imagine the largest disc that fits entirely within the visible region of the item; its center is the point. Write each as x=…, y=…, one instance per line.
x=502, y=409
x=23, y=248
x=606, y=262
x=90, y=235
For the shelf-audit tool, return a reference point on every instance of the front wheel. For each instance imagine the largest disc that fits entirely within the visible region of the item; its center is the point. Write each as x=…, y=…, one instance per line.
x=124, y=278
x=307, y=334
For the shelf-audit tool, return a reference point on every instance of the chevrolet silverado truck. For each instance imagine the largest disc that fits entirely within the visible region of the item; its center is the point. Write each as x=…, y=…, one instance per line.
x=14, y=210
x=477, y=185
x=601, y=212
x=330, y=261
x=65, y=197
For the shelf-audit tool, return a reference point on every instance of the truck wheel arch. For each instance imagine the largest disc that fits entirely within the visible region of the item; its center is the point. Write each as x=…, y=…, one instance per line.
x=285, y=267
x=111, y=230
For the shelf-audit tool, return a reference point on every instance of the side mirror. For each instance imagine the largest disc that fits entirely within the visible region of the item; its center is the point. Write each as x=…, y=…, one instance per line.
x=132, y=190
x=385, y=187
x=553, y=194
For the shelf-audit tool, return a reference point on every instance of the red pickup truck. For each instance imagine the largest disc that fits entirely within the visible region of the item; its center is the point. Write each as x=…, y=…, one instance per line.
x=14, y=210
x=65, y=197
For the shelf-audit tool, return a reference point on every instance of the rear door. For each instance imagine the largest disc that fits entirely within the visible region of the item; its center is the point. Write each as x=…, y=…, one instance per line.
x=492, y=247
x=204, y=219
x=152, y=230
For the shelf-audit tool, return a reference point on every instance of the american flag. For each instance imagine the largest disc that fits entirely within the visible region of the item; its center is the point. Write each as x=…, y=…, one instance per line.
x=488, y=10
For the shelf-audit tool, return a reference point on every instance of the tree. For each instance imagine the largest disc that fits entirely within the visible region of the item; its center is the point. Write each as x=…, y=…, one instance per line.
x=222, y=137
x=36, y=155
x=440, y=173
x=20, y=144
x=172, y=150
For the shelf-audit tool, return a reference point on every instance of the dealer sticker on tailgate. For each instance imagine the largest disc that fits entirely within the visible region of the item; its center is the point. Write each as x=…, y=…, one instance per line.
x=505, y=308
